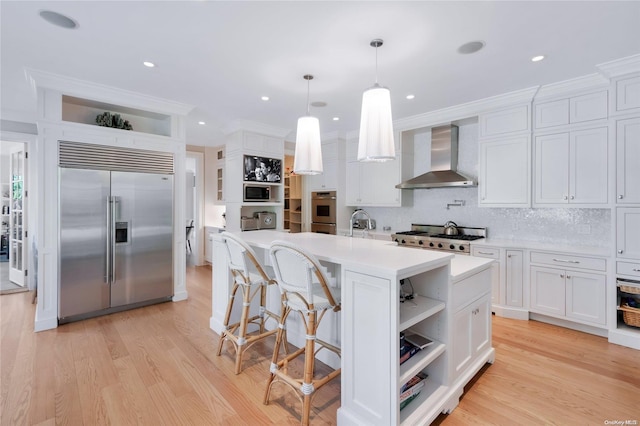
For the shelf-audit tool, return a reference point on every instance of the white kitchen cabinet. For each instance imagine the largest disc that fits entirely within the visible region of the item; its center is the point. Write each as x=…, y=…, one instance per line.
x=573, y=292
x=572, y=168
x=627, y=94
x=628, y=233
x=586, y=297
x=514, y=278
x=628, y=161
x=471, y=321
x=497, y=294
x=327, y=180
x=504, y=178
x=505, y=121
x=573, y=110
x=547, y=290
x=373, y=183
x=472, y=333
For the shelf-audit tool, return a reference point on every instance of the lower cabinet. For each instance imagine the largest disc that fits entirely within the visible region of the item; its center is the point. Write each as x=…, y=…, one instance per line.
x=471, y=333
x=514, y=277
x=571, y=294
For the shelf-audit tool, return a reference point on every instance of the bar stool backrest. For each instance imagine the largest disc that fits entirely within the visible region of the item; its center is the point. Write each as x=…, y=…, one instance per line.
x=242, y=260
x=299, y=273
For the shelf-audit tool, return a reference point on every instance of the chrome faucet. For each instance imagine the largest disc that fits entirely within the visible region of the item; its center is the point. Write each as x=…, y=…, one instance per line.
x=355, y=213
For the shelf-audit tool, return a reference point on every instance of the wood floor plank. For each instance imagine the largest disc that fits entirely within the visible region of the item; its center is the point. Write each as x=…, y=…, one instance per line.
x=158, y=365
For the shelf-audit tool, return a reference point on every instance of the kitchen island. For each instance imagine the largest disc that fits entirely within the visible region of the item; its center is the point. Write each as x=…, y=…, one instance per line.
x=451, y=296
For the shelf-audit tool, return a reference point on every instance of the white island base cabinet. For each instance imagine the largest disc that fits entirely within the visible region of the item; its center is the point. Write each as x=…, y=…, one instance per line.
x=368, y=273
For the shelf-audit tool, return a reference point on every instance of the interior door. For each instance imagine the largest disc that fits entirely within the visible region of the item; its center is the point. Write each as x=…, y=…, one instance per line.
x=143, y=237
x=17, y=209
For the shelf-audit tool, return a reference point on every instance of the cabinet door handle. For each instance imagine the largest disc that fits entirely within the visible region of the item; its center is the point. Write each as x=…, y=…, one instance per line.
x=636, y=270
x=573, y=197
x=485, y=252
x=566, y=261
x=619, y=251
x=561, y=275
x=565, y=197
x=620, y=197
x=568, y=277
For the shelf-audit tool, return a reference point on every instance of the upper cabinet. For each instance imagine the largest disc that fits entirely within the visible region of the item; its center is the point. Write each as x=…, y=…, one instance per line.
x=504, y=175
x=573, y=110
x=627, y=94
x=328, y=179
x=505, y=121
x=372, y=183
x=572, y=168
x=628, y=161
x=505, y=171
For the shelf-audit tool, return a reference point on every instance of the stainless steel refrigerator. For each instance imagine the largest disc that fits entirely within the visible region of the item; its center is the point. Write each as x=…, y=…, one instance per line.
x=116, y=240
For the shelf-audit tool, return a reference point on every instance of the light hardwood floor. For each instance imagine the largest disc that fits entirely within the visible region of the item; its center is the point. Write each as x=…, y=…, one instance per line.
x=157, y=365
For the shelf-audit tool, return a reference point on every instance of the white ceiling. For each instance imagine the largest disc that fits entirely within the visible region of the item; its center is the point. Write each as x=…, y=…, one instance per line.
x=222, y=56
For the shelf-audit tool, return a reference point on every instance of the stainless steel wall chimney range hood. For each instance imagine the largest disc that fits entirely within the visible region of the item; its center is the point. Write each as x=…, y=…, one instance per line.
x=444, y=161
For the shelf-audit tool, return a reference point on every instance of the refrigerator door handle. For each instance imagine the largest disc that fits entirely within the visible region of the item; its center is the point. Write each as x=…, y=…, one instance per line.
x=112, y=238
x=107, y=272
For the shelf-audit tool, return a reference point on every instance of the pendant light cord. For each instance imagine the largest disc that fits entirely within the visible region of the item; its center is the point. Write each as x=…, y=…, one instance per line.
x=308, y=108
x=376, y=64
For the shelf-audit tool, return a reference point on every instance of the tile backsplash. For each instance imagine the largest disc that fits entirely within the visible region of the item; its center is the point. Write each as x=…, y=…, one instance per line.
x=579, y=227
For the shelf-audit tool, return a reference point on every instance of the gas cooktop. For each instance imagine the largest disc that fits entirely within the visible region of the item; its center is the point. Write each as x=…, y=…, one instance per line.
x=433, y=237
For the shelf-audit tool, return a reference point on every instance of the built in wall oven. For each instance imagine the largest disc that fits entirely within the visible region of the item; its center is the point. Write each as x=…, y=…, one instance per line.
x=323, y=212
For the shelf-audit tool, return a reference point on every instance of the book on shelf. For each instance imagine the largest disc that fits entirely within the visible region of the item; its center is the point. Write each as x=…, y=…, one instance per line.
x=407, y=351
x=412, y=389
x=417, y=339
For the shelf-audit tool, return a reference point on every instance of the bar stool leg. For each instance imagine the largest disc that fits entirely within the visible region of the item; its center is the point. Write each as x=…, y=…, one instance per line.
x=309, y=363
x=227, y=317
x=280, y=335
x=242, y=333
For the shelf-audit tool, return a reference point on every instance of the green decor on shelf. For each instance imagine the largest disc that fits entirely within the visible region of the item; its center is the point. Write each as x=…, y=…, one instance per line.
x=106, y=119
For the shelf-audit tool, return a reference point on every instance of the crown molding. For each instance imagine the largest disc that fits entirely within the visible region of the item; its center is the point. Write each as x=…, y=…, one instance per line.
x=615, y=68
x=256, y=127
x=562, y=88
x=459, y=112
x=102, y=93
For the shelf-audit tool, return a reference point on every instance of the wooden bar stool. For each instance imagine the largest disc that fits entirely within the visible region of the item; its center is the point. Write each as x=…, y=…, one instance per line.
x=305, y=289
x=250, y=277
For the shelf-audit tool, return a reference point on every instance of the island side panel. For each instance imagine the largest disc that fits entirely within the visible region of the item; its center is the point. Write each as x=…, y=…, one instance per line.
x=368, y=371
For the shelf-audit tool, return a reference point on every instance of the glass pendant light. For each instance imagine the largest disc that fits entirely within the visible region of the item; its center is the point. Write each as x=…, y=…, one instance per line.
x=308, y=155
x=376, y=124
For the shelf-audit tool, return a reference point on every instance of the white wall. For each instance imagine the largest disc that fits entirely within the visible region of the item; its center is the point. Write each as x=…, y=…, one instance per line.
x=562, y=225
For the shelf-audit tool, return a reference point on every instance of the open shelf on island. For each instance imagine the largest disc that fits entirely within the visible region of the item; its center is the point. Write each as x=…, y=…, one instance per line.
x=420, y=360
x=419, y=308
x=416, y=410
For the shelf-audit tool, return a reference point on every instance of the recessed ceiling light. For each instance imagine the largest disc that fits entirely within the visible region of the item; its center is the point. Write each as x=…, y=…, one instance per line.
x=336, y=118
x=318, y=104
x=149, y=64
x=471, y=47
x=58, y=19
x=537, y=58
x=202, y=123
x=411, y=96
x=265, y=98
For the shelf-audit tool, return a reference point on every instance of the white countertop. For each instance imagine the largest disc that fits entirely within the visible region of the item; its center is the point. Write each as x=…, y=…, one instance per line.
x=464, y=266
x=533, y=245
x=377, y=254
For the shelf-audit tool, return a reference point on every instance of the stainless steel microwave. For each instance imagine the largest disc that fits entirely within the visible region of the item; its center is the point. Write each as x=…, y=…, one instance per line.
x=257, y=193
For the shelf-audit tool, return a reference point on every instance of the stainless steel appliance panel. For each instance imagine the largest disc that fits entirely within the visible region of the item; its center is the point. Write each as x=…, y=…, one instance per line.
x=83, y=278
x=324, y=228
x=142, y=206
x=323, y=207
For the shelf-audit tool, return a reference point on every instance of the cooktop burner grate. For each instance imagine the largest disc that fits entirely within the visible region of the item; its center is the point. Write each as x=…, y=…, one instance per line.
x=457, y=237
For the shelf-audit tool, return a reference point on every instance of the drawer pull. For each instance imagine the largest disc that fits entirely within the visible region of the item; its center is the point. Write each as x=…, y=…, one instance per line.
x=566, y=261
x=486, y=252
x=636, y=270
